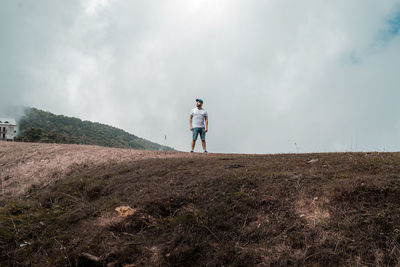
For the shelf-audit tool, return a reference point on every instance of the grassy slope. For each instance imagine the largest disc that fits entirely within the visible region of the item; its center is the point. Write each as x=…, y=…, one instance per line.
x=343, y=209
x=69, y=130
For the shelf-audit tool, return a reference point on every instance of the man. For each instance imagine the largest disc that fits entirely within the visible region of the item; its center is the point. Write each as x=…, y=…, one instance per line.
x=199, y=124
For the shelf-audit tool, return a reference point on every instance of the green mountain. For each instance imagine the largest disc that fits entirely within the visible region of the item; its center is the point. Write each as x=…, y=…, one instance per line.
x=41, y=126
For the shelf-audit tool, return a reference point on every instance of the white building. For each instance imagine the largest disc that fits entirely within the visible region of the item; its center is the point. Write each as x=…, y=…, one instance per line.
x=8, y=129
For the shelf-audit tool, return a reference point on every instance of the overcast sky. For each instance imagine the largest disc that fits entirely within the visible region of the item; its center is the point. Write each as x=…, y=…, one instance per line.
x=275, y=75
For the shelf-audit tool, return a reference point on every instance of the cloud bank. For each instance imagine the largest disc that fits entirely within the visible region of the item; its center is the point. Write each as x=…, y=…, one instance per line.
x=276, y=76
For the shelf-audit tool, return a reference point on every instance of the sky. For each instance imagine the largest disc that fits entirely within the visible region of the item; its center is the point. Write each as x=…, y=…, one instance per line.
x=276, y=76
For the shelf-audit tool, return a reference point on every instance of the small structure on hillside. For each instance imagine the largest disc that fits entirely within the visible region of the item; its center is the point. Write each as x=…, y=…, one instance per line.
x=8, y=129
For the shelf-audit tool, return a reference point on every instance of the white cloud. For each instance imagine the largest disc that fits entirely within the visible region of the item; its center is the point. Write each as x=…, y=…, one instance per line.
x=92, y=7
x=272, y=73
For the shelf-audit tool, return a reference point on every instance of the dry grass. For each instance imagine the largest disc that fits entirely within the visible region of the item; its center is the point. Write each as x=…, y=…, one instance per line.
x=24, y=165
x=194, y=210
x=312, y=210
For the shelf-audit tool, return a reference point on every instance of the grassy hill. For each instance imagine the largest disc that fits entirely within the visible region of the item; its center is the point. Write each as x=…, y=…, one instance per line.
x=330, y=209
x=42, y=126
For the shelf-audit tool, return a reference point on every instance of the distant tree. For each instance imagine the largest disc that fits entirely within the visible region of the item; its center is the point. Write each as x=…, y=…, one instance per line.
x=32, y=135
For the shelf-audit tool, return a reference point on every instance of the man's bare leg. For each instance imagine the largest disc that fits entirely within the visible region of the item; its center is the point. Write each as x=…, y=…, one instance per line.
x=203, y=142
x=193, y=143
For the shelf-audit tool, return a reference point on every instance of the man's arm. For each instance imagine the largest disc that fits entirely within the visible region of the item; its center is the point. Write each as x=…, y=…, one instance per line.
x=206, y=120
x=190, y=122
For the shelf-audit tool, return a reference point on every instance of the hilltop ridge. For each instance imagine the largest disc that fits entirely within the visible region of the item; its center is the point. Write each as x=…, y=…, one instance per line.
x=185, y=209
x=42, y=126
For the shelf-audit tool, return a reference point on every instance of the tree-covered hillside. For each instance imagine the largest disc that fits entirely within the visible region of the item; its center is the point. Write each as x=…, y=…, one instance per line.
x=41, y=126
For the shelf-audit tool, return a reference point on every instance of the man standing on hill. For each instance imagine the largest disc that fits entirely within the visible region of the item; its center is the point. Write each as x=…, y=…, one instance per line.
x=199, y=124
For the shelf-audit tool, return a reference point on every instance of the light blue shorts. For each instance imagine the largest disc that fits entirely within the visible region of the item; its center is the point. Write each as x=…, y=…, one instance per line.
x=197, y=131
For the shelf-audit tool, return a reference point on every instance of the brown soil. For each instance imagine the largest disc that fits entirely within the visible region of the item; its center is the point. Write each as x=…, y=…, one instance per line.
x=208, y=210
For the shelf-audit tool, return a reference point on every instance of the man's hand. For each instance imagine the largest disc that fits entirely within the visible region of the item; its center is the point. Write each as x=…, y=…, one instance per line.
x=206, y=130
x=191, y=128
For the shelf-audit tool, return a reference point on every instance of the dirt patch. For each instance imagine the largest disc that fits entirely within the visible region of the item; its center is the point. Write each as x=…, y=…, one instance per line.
x=312, y=210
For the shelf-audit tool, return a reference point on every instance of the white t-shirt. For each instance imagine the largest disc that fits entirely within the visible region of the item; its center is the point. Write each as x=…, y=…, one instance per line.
x=198, y=117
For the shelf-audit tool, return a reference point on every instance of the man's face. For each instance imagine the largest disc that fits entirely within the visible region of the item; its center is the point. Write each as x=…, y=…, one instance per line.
x=198, y=104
